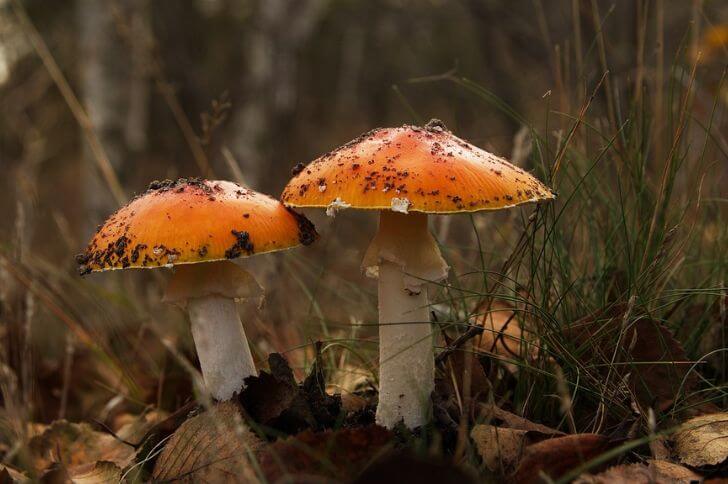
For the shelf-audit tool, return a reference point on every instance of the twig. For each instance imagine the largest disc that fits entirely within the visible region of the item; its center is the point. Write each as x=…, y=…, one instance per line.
x=472, y=332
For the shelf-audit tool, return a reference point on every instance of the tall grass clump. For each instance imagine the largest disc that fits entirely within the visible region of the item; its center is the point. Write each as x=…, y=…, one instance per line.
x=619, y=287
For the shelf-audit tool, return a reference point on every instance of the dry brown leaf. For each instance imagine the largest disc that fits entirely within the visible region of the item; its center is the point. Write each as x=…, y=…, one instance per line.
x=351, y=403
x=465, y=366
x=338, y=454
x=500, y=448
x=403, y=467
x=74, y=444
x=275, y=400
x=504, y=335
x=555, y=457
x=653, y=380
x=8, y=475
x=658, y=385
x=503, y=418
x=702, y=441
x=715, y=319
x=348, y=379
x=132, y=428
x=215, y=446
x=102, y=472
x=658, y=471
x=659, y=449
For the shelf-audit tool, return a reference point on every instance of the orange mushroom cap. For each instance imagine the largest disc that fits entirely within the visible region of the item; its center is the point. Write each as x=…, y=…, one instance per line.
x=429, y=169
x=190, y=221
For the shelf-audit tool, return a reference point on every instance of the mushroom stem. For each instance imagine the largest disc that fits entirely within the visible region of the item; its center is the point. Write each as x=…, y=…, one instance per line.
x=221, y=345
x=404, y=256
x=406, y=354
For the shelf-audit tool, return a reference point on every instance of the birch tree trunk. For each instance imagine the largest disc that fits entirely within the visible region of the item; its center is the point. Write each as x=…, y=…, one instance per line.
x=278, y=30
x=104, y=64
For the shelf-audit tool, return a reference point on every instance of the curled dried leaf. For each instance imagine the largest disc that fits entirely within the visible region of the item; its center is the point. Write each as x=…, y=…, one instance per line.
x=102, y=472
x=503, y=418
x=215, y=446
x=656, y=471
x=702, y=441
x=500, y=448
x=555, y=457
x=404, y=467
x=330, y=454
x=504, y=333
x=74, y=444
x=656, y=369
x=275, y=400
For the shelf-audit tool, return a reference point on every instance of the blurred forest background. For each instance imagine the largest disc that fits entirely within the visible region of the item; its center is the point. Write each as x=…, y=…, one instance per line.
x=98, y=98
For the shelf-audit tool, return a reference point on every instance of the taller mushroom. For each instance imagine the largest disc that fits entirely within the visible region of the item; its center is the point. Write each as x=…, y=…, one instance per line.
x=197, y=226
x=406, y=173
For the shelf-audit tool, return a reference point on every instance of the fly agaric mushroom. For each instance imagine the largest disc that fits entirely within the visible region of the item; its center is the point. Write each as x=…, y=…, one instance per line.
x=407, y=173
x=184, y=224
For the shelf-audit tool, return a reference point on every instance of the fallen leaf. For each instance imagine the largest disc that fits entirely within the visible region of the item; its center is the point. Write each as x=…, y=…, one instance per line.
x=503, y=333
x=338, y=454
x=149, y=444
x=275, y=400
x=503, y=418
x=702, y=441
x=324, y=407
x=657, y=471
x=502, y=440
x=555, y=457
x=659, y=374
x=500, y=448
x=133, y=428
x=8, y=475
x=405, y=467
x=713, y=317
x=465, y=366
x=101, y=472
x=658, y=384
x=349, y=379
x=351, y=403
x=213, y=446
x=75, y=444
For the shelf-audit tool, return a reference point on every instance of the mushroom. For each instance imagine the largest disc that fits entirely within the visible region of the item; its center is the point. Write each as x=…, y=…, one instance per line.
x=407, y=173
x=183, y=224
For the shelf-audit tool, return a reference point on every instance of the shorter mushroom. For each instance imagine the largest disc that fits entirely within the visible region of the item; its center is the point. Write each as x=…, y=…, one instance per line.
x=197, y=226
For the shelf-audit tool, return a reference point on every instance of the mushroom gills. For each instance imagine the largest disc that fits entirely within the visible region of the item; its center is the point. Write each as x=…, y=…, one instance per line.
x=404, y=256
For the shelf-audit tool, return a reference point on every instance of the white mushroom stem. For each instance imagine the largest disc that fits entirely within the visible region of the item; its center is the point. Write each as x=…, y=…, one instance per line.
x=221, y=345
x=406, y=355
x=208, y=291
x=404, y=256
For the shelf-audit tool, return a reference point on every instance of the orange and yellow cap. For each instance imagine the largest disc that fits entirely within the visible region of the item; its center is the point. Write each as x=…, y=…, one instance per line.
x=192, y=220
x=409, y=168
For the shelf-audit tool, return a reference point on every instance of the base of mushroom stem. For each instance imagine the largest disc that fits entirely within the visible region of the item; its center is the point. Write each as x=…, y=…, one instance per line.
x=406, y=352
x=222, y=347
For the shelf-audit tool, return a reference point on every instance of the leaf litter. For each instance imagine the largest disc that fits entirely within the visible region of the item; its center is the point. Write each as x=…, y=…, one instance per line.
x=280, y=429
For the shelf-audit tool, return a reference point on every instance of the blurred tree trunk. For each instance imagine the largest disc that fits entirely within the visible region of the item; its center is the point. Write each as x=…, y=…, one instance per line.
x=139, y=82
x=279, y=28
x=104, y=63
